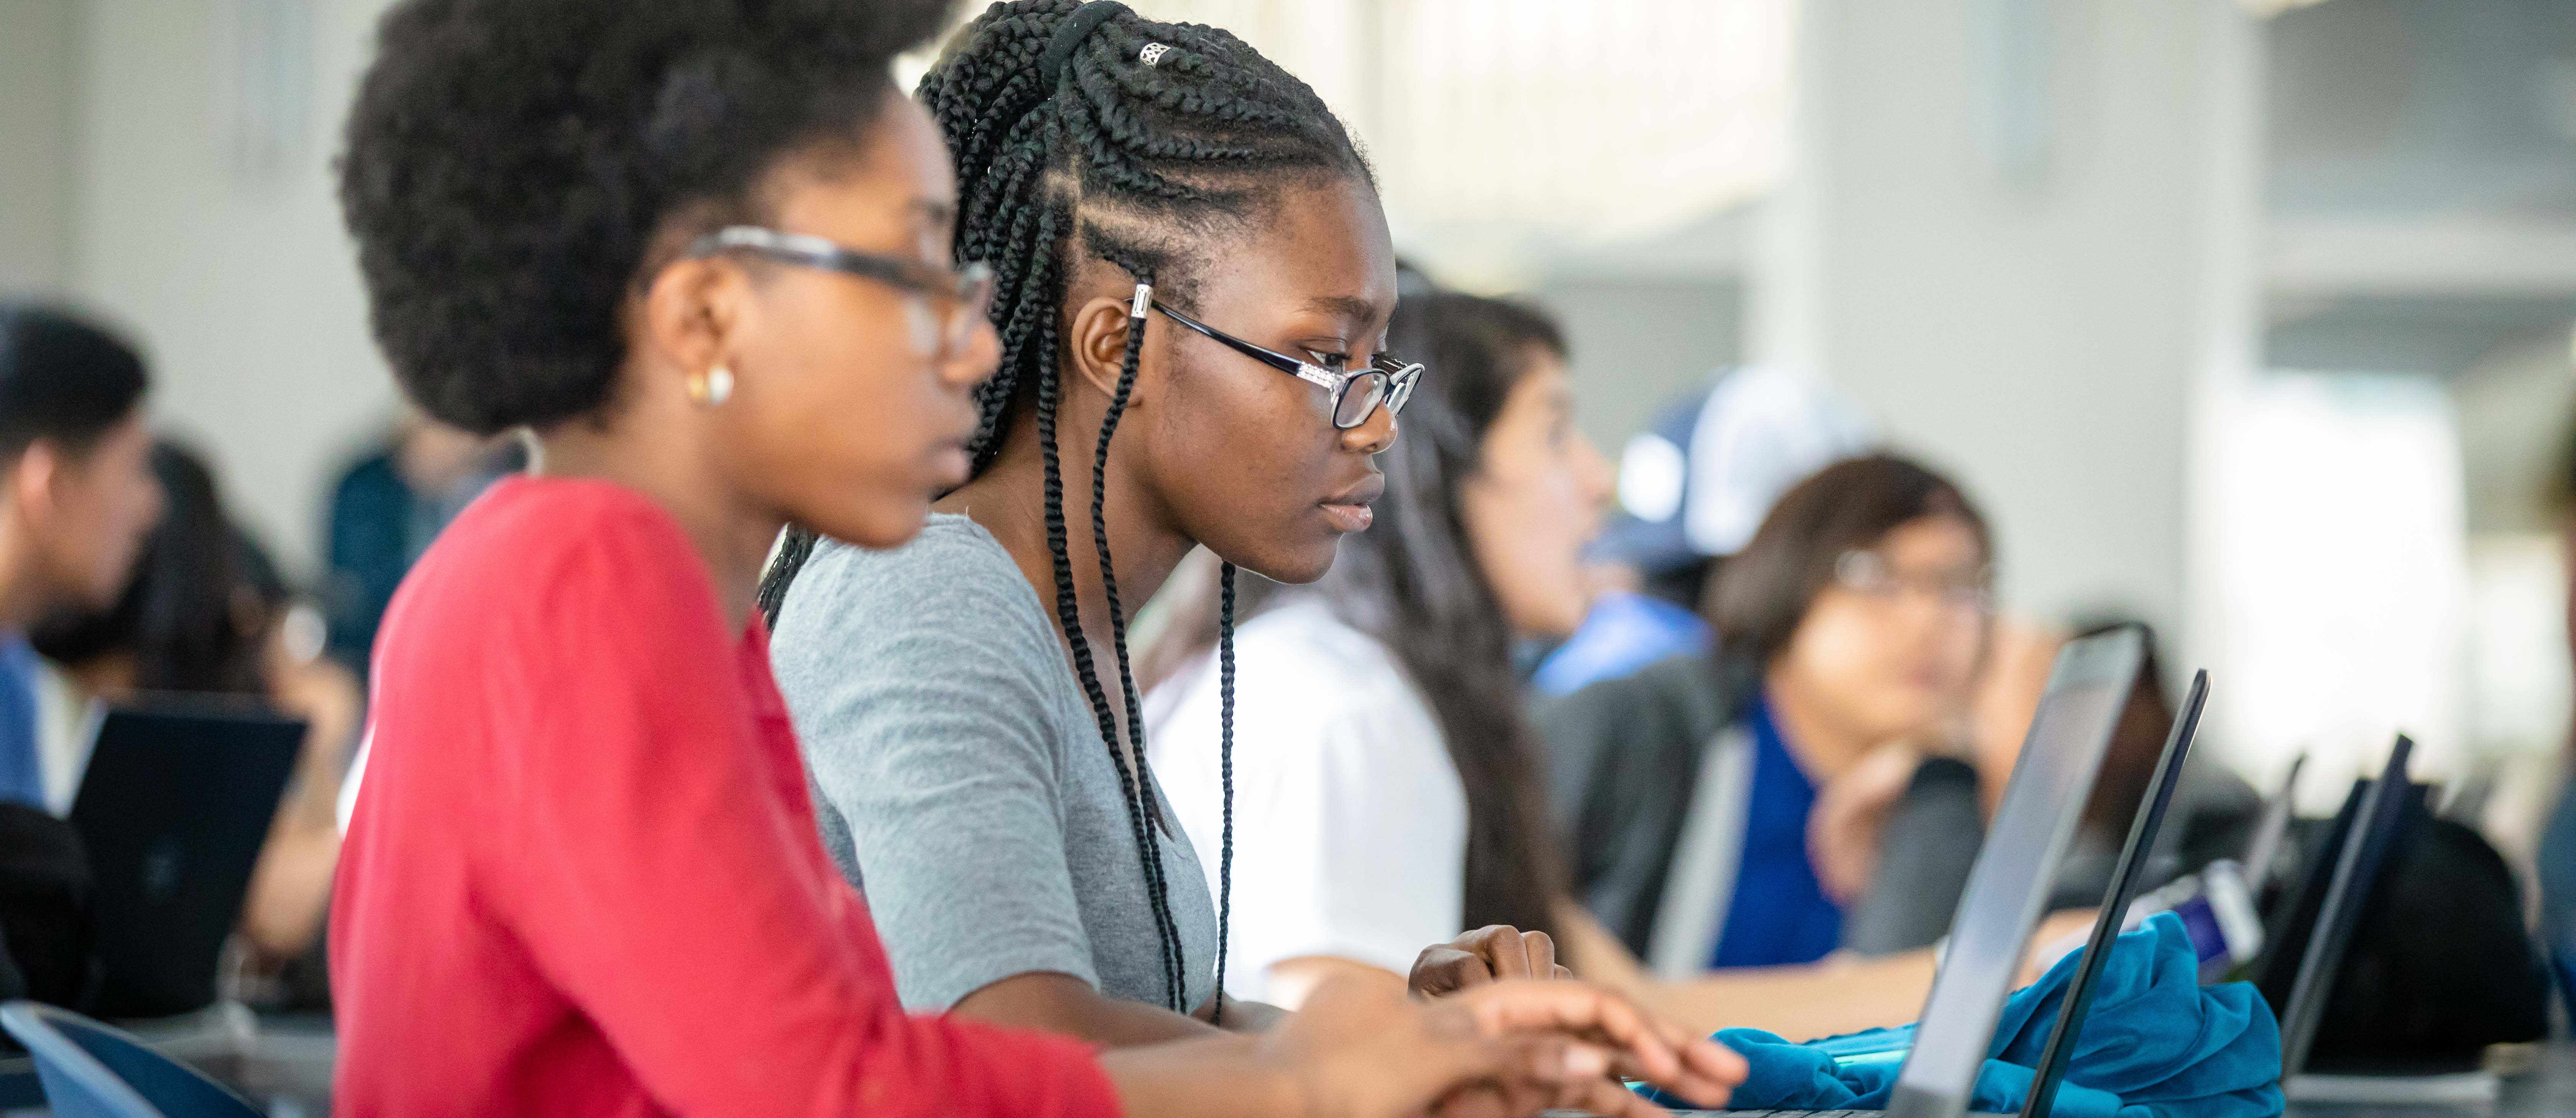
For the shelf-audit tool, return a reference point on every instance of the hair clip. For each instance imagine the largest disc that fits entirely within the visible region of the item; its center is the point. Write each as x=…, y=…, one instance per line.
x=1152, y=53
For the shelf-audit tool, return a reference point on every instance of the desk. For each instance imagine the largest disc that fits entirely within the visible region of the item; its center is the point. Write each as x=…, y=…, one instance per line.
x=2549, y=1088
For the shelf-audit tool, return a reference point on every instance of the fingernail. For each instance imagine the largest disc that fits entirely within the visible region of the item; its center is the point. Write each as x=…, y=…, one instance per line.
x=1585, y=1062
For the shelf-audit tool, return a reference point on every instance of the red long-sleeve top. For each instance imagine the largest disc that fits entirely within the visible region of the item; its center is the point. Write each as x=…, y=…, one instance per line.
x=582, y=876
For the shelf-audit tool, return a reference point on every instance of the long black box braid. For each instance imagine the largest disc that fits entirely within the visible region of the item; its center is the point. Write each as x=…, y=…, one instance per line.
x=1085, y=127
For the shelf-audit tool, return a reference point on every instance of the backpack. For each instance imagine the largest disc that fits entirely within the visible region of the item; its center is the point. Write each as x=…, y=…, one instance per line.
x=2440, y=964
x=48, y=911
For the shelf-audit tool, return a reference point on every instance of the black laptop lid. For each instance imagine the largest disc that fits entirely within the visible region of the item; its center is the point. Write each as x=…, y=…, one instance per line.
x=173, y=809
x=2125, y=877
x=2378, y=812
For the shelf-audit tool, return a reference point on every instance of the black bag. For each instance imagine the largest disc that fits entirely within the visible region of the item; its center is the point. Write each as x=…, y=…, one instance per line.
x=48, y=911
x=2440, y=964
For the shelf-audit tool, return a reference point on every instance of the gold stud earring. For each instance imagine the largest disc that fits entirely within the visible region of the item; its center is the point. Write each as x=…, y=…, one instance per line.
x=711, y=388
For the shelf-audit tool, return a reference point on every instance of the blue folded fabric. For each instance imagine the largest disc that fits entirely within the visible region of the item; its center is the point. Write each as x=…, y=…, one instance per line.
x=2156, y=1044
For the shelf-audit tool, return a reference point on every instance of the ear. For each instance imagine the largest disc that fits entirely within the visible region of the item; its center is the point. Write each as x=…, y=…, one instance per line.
x=689, y=315
x=1099, y=336
x=31, y=485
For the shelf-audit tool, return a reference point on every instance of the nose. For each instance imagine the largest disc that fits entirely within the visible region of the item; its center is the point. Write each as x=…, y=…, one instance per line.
x=1373, y=436
x=1592, y=471
x=973, y=363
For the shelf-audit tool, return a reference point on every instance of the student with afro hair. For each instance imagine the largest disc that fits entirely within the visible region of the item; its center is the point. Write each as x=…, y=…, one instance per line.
x=699, y=251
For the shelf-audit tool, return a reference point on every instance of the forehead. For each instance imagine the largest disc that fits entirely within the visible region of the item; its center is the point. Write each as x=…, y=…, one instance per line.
x=1937, y=538
x=898, y=175
x=1325, y=240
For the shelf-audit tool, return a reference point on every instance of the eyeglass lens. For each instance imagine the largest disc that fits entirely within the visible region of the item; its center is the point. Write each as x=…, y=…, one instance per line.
x=1360, y=398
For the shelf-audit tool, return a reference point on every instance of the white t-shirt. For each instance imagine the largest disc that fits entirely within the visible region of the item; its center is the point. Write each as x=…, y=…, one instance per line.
x=1350, y=825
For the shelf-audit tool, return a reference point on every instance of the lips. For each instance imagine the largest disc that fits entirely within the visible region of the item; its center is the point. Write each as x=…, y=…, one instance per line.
x=1349, y=510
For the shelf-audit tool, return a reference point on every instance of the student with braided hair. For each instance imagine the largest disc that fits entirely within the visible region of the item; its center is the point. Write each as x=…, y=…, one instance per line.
x=698, y=252
x=1193, y=280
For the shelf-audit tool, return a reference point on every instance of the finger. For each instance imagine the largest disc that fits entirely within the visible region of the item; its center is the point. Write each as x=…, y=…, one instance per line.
x=1563, y=974
x=1710, y=1072
x=1540, y=949
x=1608, y=1099
x=1582, y=1008
x=1477, y=1100
x=1506, y=950
x=1463, y=971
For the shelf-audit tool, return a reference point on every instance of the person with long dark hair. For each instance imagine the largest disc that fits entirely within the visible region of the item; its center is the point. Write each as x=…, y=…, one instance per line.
x=1193, y=276
x=204, y=615
x=1394, y=787
x=699, y=252
x=1390, y=788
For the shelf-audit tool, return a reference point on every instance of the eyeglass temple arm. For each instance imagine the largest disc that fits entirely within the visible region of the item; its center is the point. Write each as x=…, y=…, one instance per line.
x=1276, y=360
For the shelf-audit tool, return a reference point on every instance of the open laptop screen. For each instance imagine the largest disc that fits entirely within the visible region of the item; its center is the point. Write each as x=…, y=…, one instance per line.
x=2017, y=866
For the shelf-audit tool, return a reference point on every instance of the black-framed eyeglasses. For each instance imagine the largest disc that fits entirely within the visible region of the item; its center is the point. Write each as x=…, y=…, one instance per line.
x=1356, y=395
x=964, y=296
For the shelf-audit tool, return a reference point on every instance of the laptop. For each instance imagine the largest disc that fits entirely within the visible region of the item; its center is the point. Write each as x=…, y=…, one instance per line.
x=2298, y=971
x=2007, y=890
x=173, y=809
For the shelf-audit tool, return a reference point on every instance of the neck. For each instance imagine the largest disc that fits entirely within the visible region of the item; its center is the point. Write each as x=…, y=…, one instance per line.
x=1825, y=746
x=637, y=448
x=1009, y=500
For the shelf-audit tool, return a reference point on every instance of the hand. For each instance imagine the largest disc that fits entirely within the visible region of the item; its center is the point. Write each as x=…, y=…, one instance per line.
x=1362, y=1051
x=1851, y=810
x=1640, y=1045
x=1497, y=952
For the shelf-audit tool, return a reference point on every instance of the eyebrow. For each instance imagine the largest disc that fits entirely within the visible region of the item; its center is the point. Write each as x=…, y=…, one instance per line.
x=1349, y=307
x=938, y=210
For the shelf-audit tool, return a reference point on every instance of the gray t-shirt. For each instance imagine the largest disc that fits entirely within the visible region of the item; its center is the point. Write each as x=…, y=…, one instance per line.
x=961, y=781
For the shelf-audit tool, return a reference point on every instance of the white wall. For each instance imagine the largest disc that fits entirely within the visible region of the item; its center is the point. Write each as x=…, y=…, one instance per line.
x=2002, y=235
x=230, y=263
x=36, y=83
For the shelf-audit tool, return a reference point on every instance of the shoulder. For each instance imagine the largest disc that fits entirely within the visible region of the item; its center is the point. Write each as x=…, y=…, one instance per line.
x=554, y=542
x=948, y=608
x=953, y=565
x=1692, y=686
x=546, y=583
x=1304, y=675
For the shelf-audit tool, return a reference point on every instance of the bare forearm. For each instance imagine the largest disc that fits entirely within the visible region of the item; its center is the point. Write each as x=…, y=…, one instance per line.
x=1801, y=1002
x=1065, y=1005
x=1291, y=980
x=1244, y=1017
x=1212, y=1074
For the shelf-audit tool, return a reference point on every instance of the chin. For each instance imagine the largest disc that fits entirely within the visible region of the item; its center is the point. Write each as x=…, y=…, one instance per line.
x=1295, y=566
x=879, y=528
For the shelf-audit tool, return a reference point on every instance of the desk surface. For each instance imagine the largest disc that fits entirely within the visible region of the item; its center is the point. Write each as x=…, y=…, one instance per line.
x=2548, y=1088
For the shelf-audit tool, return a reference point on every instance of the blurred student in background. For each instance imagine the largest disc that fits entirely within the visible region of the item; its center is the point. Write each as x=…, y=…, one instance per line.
x=1692, y=488
x=1850, y=632
x=1388, y=786
x=387, y=506
x=205, y=613
x=77, y=497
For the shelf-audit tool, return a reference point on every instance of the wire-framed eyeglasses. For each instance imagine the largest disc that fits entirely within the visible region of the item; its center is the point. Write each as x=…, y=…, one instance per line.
x=962, y=298
x=1355, y=394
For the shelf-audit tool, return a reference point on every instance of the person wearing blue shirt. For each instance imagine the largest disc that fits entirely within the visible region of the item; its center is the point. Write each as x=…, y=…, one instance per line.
x=77, y=497
x=1726, y=806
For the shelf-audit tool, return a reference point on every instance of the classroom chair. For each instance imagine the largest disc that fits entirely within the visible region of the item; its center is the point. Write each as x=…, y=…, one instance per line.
x=93, y=1071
